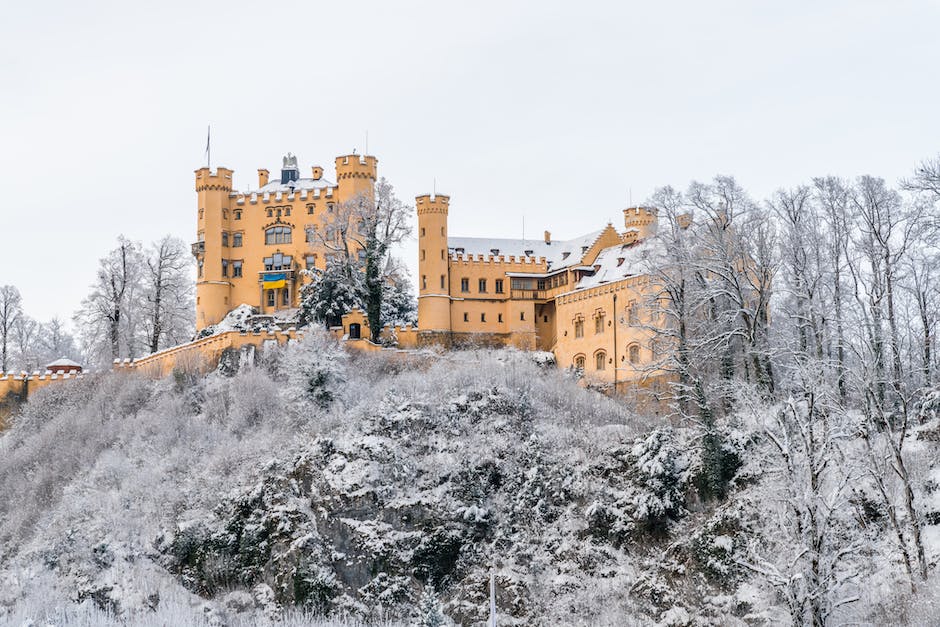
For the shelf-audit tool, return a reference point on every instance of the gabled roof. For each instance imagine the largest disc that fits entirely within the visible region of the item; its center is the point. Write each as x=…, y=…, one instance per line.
x=623, y=260
x=62, y=362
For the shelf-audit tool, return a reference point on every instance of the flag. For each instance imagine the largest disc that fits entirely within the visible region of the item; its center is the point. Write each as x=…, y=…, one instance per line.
x=274, y=281
x=208, y=154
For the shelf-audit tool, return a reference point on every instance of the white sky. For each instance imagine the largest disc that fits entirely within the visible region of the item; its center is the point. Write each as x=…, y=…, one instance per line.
x=549, y=110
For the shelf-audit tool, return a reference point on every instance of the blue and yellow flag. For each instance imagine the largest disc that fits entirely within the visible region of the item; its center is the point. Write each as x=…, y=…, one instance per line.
x=274, y=281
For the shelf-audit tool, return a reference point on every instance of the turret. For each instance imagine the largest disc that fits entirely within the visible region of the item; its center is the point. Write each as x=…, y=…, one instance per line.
x=212, y=290
x=433, y=264
x=643, y=219
x=356, y=174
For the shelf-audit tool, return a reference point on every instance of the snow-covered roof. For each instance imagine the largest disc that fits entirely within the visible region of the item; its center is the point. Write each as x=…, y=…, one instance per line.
x=298, y=185
x=622, y=261
x=63, y=362
x=554, y=252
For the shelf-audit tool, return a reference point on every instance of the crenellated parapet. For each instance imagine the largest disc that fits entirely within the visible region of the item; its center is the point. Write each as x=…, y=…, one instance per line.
x=432, y=203
x=509, y=263
x=351, y=167
x=207, y=180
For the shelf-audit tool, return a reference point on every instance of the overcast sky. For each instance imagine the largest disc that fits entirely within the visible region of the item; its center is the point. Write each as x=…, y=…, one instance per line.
x=552, y=111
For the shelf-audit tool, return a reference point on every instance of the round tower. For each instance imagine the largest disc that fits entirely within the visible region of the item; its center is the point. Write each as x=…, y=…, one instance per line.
x=643, y=219
x=356, y=174
x=212, y=289
x=433, y=267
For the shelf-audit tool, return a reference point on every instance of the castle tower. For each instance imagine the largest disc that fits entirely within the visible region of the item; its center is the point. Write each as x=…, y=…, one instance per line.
x=433, y=267
x=212, y=289
x=643, y=219
x=355, y=175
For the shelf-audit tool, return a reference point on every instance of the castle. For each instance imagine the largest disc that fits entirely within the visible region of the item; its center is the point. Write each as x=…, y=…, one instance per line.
x=251, y=247
x=582, y=298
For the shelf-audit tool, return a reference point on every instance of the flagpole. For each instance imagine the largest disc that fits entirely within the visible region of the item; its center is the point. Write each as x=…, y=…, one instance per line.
x=209, y=146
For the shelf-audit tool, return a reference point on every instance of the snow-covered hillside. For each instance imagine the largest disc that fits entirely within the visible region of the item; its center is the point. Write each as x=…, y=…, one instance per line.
x=385, y=489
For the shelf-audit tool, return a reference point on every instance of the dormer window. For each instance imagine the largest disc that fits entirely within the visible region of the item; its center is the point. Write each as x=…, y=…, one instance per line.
x=584, y=249
x=494, y=251
x=459, y=251
x=528, y=253
x=619, y=261
x=565, y=255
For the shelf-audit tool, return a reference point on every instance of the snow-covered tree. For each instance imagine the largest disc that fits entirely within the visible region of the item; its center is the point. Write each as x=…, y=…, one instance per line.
x=361, y=233
x=167, y=295
x=11, y=305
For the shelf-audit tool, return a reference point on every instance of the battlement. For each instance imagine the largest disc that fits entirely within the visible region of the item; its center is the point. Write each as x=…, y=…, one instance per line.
x=645, y=213
x=514, y=263
x=356, y=166
x=220, y=180
x=643, y=219
x=432, y=203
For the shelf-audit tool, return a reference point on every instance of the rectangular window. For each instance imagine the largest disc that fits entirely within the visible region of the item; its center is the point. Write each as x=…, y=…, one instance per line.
x=224, y=239
x=236, y=269
x=311, y=262
x=238, y=214
x=271, y=300
x=499, y=317
x=287, y=211
x=201, y=265
x=466, y=317
x=309, y=210
x=225, y=267
x=442, y=281
x=424, y=282
x=579, y=328
x=285, y=297
x=482, y=286
x=599, y=323
x=237, y=240
x=499, y=286
x=482, y=317
x=522, y=315
x=541, y=284
x=464, y=285
x=633, y=313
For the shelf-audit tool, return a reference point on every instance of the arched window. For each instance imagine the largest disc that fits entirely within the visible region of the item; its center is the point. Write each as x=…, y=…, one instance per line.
x=277, y=235
x=579, y=362
x=579, y=328
x=601, y=360
x=634, y=352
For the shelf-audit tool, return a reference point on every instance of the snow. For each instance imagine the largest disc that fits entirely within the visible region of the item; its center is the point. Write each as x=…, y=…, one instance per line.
x=554, y=253
x=301, y=184
x=623, y=260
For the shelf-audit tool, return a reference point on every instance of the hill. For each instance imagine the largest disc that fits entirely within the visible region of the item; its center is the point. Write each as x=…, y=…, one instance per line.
x=309, y=484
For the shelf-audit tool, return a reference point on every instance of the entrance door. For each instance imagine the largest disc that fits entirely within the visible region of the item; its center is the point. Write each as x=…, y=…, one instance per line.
x=354, y=331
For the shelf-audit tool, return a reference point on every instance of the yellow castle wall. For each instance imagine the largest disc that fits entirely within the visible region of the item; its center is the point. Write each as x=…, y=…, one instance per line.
x=220, y=209
x=587, y=305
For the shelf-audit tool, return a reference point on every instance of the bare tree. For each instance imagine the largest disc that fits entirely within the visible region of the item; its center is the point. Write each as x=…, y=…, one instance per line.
x=11, y=307
x=167, y=294
x=27, y=350
x=105, y=312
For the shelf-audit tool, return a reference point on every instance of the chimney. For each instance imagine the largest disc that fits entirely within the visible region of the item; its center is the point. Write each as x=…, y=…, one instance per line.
x=262, y=177
x=548, y=237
